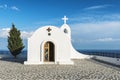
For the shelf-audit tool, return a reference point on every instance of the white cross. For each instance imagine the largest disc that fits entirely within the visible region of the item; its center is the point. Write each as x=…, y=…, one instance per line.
x=65, y=19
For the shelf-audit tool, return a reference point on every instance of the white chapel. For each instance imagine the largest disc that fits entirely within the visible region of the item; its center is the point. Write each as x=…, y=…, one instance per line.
x=52, y=45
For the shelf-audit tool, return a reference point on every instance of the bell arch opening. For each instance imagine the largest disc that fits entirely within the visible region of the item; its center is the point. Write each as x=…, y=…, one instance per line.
x=66, y=31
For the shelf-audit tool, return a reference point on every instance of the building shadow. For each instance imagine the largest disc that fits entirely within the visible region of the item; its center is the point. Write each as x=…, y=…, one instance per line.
x=15, y=60
x=7, y=56
x=106, y=64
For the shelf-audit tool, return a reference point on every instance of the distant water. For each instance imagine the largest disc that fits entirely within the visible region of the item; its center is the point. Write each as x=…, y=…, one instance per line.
x=5, y=53
x=107, y=53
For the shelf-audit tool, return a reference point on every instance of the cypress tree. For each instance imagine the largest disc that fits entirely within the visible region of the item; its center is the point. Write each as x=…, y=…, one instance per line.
x=15, y=44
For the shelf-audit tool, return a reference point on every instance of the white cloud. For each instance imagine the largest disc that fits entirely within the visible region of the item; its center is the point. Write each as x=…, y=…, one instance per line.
x=95, y=40
x=96, y=7
x=96, y=26
x=105, y=39
x=5, y=29
x=93, y=18
x=15, y=8
x=25, y=34
x=92, y=31
x=5, y=6
x=4, y=33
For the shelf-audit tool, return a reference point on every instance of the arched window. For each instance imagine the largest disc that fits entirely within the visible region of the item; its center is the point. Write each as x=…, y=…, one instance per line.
x=65, y=31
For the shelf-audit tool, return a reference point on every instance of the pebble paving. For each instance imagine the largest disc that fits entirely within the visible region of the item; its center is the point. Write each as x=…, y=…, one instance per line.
x=82, y=70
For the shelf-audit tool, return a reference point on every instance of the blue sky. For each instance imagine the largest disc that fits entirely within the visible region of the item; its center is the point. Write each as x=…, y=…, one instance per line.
x=95, y=24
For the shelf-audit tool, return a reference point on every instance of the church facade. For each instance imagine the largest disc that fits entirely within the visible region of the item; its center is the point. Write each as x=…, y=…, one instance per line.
x=52, y=45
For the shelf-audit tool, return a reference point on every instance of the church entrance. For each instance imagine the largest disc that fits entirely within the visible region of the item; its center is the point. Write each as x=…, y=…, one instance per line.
x=49, y=52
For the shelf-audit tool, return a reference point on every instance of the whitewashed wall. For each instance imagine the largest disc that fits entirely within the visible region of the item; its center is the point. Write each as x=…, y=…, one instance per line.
x=64, y=51
x=58, y=38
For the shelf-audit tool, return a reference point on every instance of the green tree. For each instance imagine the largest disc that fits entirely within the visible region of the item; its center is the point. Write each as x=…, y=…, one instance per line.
x=15, y=44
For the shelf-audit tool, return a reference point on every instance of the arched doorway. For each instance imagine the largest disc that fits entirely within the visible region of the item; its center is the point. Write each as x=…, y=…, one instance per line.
x=49, y=52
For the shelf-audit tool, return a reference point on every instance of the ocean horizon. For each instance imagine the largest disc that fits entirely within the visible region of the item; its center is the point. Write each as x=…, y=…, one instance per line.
x=98, y=52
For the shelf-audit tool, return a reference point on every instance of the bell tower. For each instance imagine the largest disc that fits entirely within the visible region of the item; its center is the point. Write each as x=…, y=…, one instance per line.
x=65, y=28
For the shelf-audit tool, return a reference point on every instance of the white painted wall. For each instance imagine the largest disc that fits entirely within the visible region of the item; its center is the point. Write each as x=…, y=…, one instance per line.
x=60, y=40
x=76, y=55
x=65, y=26
x=64, y=51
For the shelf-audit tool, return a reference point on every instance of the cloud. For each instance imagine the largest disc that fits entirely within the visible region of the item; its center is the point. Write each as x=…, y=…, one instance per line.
x=105, y=39
x=93, y=31
x=95, y=40
x=96, y=31
x=96, y=7
x=25, y=34
x=5, y=6
x=95, y=18
x=15, y=8
x=4, y=33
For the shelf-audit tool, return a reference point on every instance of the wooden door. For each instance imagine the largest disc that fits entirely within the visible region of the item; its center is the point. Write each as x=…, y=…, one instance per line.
x=49, y=52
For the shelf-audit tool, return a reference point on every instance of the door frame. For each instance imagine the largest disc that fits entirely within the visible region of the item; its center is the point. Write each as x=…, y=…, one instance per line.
x=42, y=50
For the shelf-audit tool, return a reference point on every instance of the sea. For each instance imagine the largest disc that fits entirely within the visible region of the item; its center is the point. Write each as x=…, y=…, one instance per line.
x=106, y=53
x=6, y=53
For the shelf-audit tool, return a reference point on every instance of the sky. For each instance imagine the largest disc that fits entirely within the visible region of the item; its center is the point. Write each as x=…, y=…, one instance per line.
x=95, y=24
